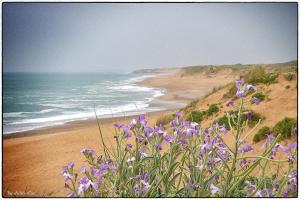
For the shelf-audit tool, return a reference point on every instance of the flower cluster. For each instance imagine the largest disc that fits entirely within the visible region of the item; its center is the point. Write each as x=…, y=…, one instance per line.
x=183, y=160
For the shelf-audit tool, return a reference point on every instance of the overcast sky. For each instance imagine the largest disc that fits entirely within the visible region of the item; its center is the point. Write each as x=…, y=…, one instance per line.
x=62, y=37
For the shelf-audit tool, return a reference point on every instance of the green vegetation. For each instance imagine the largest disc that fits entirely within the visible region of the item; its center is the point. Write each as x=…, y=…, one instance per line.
x=213, y=108
x=289, y=76
x=261, y=134
x=276, y=67
x=196, y=116
x=253, y=119
x=259, y=95
x=285, y=127
x=287, y=87
x=224, y=120
x=258, y=75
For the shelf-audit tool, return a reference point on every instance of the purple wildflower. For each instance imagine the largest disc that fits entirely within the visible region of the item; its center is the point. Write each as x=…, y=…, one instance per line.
x=191, y=186
x=131, y=159
x=250, y=188
x=276, y=186
x=213, y=189
x=200, y=167
x=142, y=189
x=167, y=137
x=133, y=123
x=249, y=115
x=239, y=82
x=142, y=152
x=268, y=141
x=256, y=100
x=68, y=176
x=230, y=102
x=223, y=129
x=125, y=129
x=240, y=93
x=158, y=146
x=148, y=132
x=288, y=148
x=274, y=151
x=245, y=148
x=204, y=148
x=104, y=166
x=142, y=120
x=189, y=132
x=83, y=169
x=251, y=87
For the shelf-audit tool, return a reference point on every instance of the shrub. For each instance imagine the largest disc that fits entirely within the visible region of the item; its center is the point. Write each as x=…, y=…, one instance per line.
x=289, y=76
x=287, y=87
x=255, y=75
x=270, y=78
x=259, y=95
x=285, y=127
x=224, y=120
x=261, y=134
x=258, y=75
x=253, y=118
x=195, y=116
x=213, y=108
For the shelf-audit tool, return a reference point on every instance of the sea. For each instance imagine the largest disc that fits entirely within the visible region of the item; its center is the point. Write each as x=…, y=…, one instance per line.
x=36, y=100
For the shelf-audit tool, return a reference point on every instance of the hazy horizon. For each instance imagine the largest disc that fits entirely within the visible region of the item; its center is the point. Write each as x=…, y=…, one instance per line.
x=120, y=37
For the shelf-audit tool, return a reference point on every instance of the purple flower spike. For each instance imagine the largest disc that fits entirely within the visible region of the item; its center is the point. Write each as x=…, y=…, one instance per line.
x=256, y=100
x=204, y=149
x=167, y=138
x=189, y=132
x=245, y=149
x=213, y=189
x=83, y=169
x=249, y=115
x=67, y=176
x=240, y=93
x=223, y=129
x=91, y=152
x=158, y=146
x=133, y=123
x=71, y=165
x=238, y=83
x=84, y=151
x=142, y=120
x=104, y=167
x=230, y=102
x=288, y=148
x=251, y=87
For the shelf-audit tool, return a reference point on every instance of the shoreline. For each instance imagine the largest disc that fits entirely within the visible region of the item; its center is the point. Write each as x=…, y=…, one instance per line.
x=71, y=125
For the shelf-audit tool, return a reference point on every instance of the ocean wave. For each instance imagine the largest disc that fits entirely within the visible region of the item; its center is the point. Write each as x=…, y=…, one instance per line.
x=136, y=106
x=134, y=88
